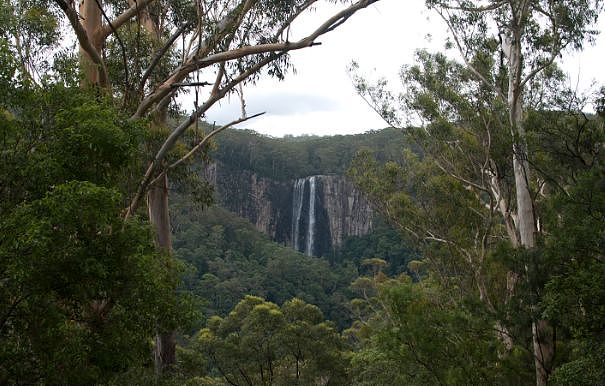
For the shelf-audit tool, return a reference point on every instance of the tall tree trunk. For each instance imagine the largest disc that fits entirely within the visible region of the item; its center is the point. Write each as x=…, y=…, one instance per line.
x=91, y=19
x=145, y=20
x=159, y=216
x=542, y=331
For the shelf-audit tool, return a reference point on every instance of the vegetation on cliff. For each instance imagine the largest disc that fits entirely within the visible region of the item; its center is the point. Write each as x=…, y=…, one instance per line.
x=288, y=158
x=490, y=270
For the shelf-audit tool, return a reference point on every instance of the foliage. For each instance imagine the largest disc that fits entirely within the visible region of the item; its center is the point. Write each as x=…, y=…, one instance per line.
x=560, y=280
x=82, y=291
x=575, y=294
x=417, y=334
x=384, y=242
x=59, y=134
x=231, y=259
x=288, y=158
x=502, y=113
x=259, y=343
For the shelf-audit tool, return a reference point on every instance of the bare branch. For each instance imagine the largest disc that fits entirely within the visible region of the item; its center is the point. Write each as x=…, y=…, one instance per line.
x=159, y=54
x=198, y=60
x=295, y=15
x=181, y=128
x=224, y=27
x=252, y=50
x=199, y=145
x=192, y=84
x=219, y=79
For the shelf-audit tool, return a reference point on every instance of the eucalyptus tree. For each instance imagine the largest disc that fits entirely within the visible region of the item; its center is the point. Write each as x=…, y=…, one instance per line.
x=509, y=49
x=230, y=41
x=531, y=35
x=260, y=343
x=147, y=52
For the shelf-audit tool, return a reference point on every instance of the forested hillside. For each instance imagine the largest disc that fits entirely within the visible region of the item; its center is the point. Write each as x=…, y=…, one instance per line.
x=246, y=179
x=465, y=249
x=294, y=157
x=228, y=259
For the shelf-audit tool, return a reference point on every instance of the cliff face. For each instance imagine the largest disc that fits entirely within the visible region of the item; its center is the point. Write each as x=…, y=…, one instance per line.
x=264, y=202
x=311, y=214
x=349, y=213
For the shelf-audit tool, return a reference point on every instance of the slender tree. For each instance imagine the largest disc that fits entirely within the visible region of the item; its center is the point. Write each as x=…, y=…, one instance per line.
x=509, y=49
x=531, y=36
x=165, y=47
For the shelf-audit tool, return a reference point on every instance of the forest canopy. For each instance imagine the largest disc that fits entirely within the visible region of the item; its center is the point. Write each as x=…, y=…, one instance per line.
x=485, y=267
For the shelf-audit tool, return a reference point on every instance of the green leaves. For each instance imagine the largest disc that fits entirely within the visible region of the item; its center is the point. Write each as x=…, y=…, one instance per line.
x=82, y=292
x=61, y=134
x=415, y=334
x=80, y=287
x=232, y=259
x=262, y=344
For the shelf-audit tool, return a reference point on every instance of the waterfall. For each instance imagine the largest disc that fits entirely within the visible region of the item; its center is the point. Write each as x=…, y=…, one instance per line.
x=311, y=223
x=310, y=227
x=297, y=205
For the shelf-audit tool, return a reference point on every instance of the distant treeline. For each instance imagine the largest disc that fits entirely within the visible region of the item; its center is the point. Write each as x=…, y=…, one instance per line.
x=293, y=157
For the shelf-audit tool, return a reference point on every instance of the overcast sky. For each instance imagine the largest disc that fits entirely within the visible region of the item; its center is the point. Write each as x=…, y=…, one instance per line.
x=320, y=99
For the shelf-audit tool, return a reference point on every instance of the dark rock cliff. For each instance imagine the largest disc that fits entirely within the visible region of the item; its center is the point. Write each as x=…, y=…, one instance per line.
x=311, y=214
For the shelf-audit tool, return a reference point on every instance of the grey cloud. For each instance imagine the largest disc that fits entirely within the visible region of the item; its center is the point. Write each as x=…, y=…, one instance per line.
x=290, y=103
x=275, y=104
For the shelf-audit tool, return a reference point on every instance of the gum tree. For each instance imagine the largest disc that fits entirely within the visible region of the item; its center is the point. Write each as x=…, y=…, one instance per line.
x=531, y=35
x=147, y=52
x=509, y=50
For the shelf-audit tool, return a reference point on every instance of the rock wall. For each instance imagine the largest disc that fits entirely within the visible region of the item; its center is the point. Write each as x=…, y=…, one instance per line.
x=312, y=214
x=264, y=202
x=348, y=211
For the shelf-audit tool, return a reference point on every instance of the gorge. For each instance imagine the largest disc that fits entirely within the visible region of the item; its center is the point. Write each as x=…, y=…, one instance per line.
x=311, y=214
x=295, y=189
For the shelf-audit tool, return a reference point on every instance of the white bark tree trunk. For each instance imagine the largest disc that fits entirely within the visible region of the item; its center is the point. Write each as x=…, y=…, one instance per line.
x=91, y=20
x=159, y=216
x=542, y=332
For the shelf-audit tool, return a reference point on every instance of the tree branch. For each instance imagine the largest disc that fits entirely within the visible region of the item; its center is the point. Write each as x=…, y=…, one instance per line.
x=159, y=54
x=193, y=63
x=192, y=84
x=200, y=144
x=467, y=62
x=556, y=48
x=224, y=27
x=485, y=8
x=120, y=42
x=180, y=129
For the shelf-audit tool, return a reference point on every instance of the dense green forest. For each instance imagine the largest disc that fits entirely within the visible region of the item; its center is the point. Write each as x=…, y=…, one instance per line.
x=485, y=265
x=228, y=259
x=294, y=157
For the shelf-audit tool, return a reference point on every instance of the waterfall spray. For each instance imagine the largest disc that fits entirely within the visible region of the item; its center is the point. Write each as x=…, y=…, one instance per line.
x=297, y=204
x=311, y=224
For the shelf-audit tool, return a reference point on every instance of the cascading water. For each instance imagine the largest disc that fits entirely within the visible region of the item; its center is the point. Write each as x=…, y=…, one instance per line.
x=311, y=223
x=297, y=205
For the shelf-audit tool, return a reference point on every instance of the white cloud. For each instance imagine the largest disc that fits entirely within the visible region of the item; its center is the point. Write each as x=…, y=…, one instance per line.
x=320, y=99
